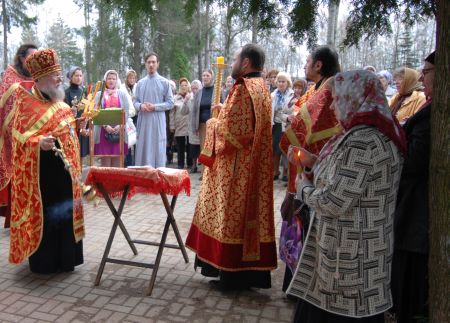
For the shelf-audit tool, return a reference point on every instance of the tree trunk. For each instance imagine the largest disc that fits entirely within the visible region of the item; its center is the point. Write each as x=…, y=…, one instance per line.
x=396, y=36
x=333, y=11
x=255, y=26
x=87, y=39
x=227, y=33
x=199, y=39
x=439, y=267
x=5, y=34
x=136, y=39
x=207, y=38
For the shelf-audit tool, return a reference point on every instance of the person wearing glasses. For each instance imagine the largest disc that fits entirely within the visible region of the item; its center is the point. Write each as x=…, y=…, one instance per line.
x=411, y=246
x=46, y=202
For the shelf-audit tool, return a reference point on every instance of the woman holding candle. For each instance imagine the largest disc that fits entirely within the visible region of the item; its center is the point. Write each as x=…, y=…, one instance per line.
x=111, y=98
x=351, y=189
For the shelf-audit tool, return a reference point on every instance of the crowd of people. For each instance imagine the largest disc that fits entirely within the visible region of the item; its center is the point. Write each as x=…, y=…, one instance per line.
x=351, y=146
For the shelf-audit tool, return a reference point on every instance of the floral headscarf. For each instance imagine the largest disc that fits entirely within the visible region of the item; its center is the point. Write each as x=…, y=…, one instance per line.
x=359, y=98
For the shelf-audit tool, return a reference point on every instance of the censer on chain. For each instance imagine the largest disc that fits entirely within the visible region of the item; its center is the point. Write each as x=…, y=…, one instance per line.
x=89, y=192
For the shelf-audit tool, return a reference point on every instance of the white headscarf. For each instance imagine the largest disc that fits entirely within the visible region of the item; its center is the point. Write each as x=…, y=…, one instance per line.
x=118, y=83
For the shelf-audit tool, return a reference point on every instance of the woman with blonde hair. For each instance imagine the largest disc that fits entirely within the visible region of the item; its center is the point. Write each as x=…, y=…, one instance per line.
x=409, y=97
x=280, y=113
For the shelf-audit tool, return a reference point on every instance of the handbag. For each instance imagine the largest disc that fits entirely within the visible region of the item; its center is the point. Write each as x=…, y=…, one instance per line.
x=131, y=132
x=112, y=137
x=294, y=227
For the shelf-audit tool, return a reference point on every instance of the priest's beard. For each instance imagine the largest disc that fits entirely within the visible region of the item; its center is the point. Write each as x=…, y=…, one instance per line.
x=55, y=93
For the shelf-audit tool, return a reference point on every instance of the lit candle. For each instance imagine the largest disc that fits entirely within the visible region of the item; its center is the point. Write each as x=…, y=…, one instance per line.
x=298, y=154
x=220, y=60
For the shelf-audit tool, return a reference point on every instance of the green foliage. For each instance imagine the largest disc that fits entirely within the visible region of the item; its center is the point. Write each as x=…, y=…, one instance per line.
x=106, y=41
x=131, y=10
x=174, y=38
x=181, y=66
x=16, y=13
x=63, y=40
x=303, y=22
x=368, y=19
x=29, y=36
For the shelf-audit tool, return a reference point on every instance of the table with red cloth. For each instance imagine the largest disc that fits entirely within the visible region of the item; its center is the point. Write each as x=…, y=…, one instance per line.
x=126, y=182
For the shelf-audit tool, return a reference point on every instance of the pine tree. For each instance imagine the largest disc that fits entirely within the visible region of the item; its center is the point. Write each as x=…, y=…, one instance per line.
x=61, y=38
x=29, y=36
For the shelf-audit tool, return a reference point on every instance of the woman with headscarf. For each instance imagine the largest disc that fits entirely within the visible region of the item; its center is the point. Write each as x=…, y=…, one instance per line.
x=112, y=98
x=386, y=81
x=73, y=95
x=343, y=274
x=194, y=139
x=201, y=109
x=179, y=125
x=409, y=97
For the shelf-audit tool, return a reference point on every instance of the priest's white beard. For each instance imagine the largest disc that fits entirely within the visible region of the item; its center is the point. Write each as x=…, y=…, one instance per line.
x=56, y=94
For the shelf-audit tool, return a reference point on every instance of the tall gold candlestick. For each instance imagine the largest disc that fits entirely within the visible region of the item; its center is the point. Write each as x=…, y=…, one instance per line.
x=220, y=66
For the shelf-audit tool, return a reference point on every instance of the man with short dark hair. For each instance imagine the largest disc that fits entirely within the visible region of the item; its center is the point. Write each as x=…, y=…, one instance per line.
x=14, y=74
x=233, y=231
x=312, y=125
x=153, y=97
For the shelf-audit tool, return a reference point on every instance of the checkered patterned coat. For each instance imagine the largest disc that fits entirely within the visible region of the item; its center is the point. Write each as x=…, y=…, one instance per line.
x=345, y=266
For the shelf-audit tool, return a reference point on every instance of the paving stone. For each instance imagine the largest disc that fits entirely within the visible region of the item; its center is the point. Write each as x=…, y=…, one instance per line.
x=180, y=294
x=44, y=316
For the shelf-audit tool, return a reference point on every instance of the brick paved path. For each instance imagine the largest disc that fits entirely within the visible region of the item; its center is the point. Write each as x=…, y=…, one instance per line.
x=180, y=294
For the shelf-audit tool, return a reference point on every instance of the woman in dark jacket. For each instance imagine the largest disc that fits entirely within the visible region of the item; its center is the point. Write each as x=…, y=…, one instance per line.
x=409, y=282
x=73, y=95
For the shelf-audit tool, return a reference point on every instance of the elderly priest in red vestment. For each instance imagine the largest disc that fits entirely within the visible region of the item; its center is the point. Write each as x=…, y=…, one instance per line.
x=233, y=232
x=46, y=199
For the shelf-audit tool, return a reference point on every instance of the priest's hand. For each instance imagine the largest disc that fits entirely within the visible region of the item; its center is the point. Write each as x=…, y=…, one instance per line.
x=47, y=142
x=218, y=106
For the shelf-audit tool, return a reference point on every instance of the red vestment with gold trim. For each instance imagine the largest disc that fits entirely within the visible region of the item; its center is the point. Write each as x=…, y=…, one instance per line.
x=313, y=125
x=34, y=118
x=233, y=226
x=10, y=77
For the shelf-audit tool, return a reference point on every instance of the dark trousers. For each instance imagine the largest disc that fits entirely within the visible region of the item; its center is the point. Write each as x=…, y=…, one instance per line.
x=409, y=285
x=183, y=152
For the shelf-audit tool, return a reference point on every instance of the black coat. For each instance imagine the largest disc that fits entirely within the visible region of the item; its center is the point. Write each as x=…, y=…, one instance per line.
x=411, y=216
x=71, y=92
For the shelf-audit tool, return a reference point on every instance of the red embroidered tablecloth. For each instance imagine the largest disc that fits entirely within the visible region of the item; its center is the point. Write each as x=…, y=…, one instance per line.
x=145, y=180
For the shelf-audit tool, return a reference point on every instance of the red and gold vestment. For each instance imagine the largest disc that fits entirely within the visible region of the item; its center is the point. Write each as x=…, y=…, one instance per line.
x=233, y=225
x=34, y=118
x=313, y=125
x=9, y=83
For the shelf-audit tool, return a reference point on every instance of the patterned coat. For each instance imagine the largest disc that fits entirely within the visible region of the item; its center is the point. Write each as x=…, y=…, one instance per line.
x=345, y=267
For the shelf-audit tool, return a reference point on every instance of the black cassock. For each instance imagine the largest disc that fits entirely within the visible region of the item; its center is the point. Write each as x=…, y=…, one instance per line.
x=58, y=250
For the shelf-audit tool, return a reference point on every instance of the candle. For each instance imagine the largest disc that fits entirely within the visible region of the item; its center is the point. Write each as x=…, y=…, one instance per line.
x=298, y=154
x=220, y=60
